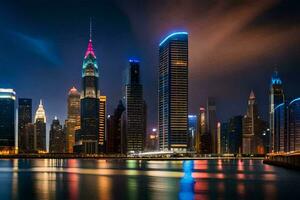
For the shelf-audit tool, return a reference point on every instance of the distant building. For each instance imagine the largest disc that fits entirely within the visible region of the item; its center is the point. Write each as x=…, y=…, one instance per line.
x=30, y=131
x=253, y=128
x=192, y=132
x=203, y=141
x=115, y=138
x=24, y=118
x=102, y=124
x=152, y=141
x=7, y=121
x=235, y=134
x=89, y=132
x=294, y=126
x=40, y=129
x=218, y=137
x=224, y=138
x=276, y=97
x=135, y=109
x=211, y=117
x=57, y=137
x=287, y=127
x=73, y=119
x=173, y=92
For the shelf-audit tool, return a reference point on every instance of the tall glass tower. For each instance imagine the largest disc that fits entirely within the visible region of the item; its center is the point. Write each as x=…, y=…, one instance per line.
x=7, y=120
x=276, y=97
x=173, y=92
x=24, y=118
x=135, y=109
x=90, y=102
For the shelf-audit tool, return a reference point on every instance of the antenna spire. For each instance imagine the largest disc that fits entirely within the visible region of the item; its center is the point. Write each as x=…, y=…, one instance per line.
x=90, y=29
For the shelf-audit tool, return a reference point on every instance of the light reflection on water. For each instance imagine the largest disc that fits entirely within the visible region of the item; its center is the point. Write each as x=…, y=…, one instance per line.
x=135, y=179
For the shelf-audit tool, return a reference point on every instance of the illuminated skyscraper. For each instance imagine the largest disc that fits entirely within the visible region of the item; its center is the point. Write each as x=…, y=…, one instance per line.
x=72, y=123
x=276, y=97
x=89, y=132
x=40, y=129
x=135, y=109
x=102, y=123
x=211, y=117
x=235, y=134
x=24, y=118
x=7, y=120
x=57, y=138
x=193, y=127
x=173, y=92
x=294, y=126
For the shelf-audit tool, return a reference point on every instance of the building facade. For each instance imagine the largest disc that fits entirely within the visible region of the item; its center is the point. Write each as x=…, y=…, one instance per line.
x=102, y=124
x=211, y=117
x=57, y=137
x=72, y=124
x=276, y=97
x=173, y=92
x=7, y=121
x=24, y=118
x=40, y=129
x=135, y=115
x=89, y=103
x=193, y=127
x=235, y=134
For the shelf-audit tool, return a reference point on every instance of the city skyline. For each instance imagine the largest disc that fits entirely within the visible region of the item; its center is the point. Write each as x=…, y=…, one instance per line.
x=47, y=49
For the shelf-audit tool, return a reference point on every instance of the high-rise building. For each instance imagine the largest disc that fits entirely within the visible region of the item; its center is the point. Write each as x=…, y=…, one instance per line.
x=135, y=109
x=57, y=137
x=218, y=137
x=7, y=121
x=202, y=137
x=30, y=131
x=89, y=132
x=173, y=92
x=115, y=139
x=102, y=124
x=152, y=141
x=224, y=138
x=235, y=134
x=211, y=117
x=193, y=127
x=253, y=127
x=24, y=118
x=40, y=129
x=276, y=97
x=72, y=123
x=294, y=126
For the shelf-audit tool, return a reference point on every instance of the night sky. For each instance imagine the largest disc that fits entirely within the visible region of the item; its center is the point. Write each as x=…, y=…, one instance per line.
x=234, y=46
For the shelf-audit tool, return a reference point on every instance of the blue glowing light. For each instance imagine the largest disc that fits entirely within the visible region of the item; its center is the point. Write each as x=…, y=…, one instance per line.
x=297, y=99
x=133, y=60
x=278, y=106
x=171, y=35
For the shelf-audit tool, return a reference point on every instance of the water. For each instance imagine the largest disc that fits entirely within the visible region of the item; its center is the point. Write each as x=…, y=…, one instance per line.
x=132, y=179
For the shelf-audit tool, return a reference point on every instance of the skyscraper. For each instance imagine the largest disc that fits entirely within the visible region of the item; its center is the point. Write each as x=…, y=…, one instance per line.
x=235, y=134
x=276, y=97
x=7, y=120
x=294, y=126
x=173, y=92
x=102, y=123
x=73, y=120
x=253, y=127
x=193, y=127
x=115, y=141
x=135, y=109
x=89, y=133
x=57, y=138
x=211, y=117
x=40, y=129
x=24, y=118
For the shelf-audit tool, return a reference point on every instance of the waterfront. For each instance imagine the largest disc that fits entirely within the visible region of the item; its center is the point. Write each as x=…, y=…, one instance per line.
x=134, y=179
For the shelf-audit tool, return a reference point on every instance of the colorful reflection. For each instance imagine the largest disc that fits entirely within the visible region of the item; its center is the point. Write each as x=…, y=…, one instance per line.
x=187, y=181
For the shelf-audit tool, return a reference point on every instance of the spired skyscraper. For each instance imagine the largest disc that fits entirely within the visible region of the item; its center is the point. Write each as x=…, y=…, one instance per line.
x=173, y=92
x=7, y=120
x=276, y=98
x=135, y=128
x=90, y=102
x=40, y=129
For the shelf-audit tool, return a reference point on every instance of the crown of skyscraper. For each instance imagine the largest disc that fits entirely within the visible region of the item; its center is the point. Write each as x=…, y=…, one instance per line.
x=40, y=113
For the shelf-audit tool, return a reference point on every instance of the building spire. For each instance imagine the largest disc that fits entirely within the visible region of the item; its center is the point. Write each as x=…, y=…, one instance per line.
x=90, y=29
